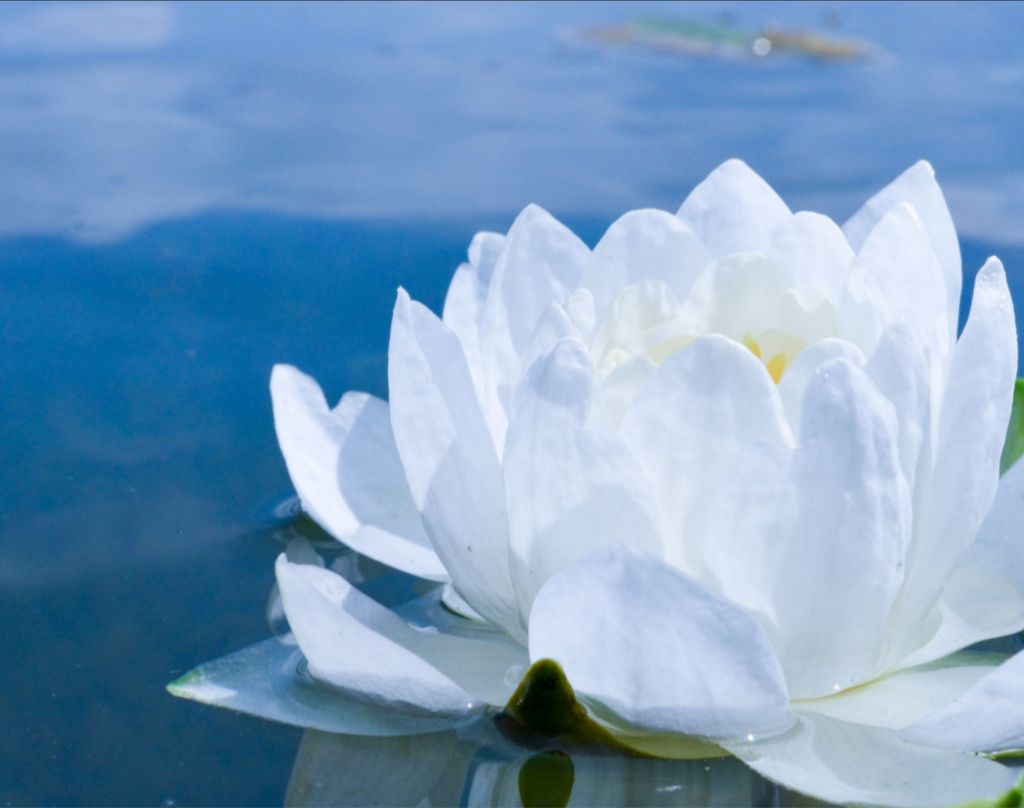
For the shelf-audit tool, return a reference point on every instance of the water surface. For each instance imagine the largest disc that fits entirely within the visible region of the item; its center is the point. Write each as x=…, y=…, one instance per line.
x=191, y=193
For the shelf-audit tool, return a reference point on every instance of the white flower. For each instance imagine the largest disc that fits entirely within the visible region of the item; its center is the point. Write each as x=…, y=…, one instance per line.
x=732, y=469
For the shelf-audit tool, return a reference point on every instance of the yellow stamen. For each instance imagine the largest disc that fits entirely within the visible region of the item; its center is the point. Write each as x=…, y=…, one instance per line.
x=752, y=346
x=776, y=366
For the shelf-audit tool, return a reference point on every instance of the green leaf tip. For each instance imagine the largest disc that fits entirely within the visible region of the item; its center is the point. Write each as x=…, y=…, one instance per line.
x=546, y=780
x=544, y=708
x=545, y=701
x=1013, y=448
x=182, y=683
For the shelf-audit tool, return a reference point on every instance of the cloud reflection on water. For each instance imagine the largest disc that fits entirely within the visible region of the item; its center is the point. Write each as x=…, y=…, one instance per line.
x=117, y=117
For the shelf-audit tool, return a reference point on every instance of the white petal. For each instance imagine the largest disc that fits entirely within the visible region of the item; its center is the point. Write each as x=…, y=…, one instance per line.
x=917, y=186
x=794, y=381
x=841, y=762
x=267, y=680
x=898, y=258
x=745, y=294
x=812, y=539
x=984, y=597
x=571, y=483
x=814, y=251
x=367, y=651
x=658, y=651
x=989, y=717
x=346, y=470
x=899, y=368
x=900, y=699
x=686, y=426
x=467, y=294
x=450, y=460
x=972, y=427
x=643, y=245
x=733, y=210
x=540, y=263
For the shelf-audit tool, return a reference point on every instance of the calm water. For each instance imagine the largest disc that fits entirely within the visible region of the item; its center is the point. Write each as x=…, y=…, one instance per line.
x=191, y=193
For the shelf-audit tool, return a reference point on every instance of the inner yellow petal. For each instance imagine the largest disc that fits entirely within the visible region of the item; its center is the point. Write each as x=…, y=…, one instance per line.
x=776, y=366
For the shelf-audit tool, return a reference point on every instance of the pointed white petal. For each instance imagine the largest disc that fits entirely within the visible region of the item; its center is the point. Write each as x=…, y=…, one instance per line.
x=899, y=368
x=972, y=427
x=988, y=717
x=688, y=423
x=367, y=651
x=467, y=294
x=643, y=245
x=898, y=259
x=813, y=249
x=842, y=762
x=917, y=186
x=733, y=210
x=812, y=539
x=572, y=485
x=450, y=459
x=268, y=680
x=345, y=468
x=900, y=699
x=658, y=652
x=540, y=263
x=984, y=597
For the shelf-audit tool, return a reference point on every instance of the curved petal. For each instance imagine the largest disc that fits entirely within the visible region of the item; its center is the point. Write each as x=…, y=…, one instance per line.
x=898, y=258
x=746, y=294
x=643, y=245
x=900, y=699
x=794, y=381
x=813, y=249
x=540, y=263
x=812, y=539
x=899, y=368
x=467, y=294
x=988, y=717
x=450, y=460
x=984, y=597
x=346, y=470
x=267, y=680
x=971, y=430
x=688, y=423
x=657, y=650
x=367, y=651
x=842, y=762
x=733, y=210
x=571, y=483
x=917, y=186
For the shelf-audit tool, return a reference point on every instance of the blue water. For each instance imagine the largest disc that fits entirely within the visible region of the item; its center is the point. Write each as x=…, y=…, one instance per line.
x=190, y=193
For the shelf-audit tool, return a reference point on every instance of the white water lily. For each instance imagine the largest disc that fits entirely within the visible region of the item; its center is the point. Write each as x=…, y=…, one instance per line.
x=732, y=468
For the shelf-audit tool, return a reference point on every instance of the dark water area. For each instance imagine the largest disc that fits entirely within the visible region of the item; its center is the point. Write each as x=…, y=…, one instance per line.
x=191, y=194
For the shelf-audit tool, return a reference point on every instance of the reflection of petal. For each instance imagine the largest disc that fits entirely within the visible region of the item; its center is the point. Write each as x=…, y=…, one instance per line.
x=595, y=779
x=265, y=680
x=842, y=762
x=355, y=770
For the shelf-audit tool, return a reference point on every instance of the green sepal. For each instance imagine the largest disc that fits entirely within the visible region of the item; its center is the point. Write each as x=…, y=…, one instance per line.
x=1013, y=448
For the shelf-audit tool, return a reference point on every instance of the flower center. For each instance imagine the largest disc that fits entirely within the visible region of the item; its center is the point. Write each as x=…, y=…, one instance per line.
x=775, y=349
